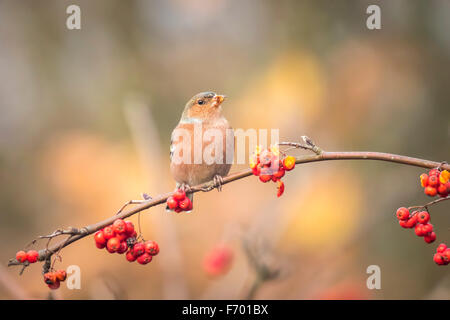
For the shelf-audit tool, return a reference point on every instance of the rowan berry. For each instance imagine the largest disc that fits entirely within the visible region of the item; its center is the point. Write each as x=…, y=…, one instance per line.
x=179, y=195
x=430, y=237
x=99, y=238
x=108, y=233
x=441, y=248
x=61, y=275
x=172, y=203
x=130, y=256
x=423, y=217
x=280, y=188
x=21, y=256
x=151, y=247
x=113, y=245
x=144, y=258
x=123, y=247
x=55, y=285
x=424, y=180
x=433, y=181
x=32, y=256
x=129, y=228
x=430, y=191
x=185, y=203
x=138, y=248
x=403, y=213
x=289, y=163
x=119, y=226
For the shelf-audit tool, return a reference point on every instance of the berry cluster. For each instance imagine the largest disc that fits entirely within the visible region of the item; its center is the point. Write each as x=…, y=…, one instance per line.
x=442, y=255
x=31, y=256
x=436, y=182
x=54, y=278
x=267, y=165
x=419, y=220
x=179, y=202
x=120, y=237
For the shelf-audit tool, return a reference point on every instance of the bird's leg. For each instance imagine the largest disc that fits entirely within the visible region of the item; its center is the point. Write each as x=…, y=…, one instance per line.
x=186, y=188
x=216, y=183
x=145, y=198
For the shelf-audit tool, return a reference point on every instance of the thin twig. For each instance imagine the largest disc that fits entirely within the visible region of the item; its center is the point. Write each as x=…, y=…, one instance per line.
x=161, y=199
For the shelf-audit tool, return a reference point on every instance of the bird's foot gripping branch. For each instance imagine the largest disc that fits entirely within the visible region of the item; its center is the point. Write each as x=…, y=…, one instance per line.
x=117, y=235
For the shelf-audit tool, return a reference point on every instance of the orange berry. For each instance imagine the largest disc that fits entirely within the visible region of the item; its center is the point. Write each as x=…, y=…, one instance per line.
x=423, y=180
x=430, y=191
x=61, y=275
x=289, y=163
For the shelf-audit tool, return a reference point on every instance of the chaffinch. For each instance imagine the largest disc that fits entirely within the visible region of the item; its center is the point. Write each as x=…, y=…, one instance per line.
x=202, y=114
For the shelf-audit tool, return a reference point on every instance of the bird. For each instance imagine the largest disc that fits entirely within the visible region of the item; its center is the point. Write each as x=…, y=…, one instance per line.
x=202, y=117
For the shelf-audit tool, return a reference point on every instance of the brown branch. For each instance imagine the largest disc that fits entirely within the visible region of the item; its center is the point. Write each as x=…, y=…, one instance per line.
x=319, y=155
x=425, y=206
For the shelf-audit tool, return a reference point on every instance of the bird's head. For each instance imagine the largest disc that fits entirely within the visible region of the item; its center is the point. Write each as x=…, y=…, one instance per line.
x=204, y=106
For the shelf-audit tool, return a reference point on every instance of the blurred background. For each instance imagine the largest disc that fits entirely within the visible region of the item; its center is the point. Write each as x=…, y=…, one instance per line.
x=85, y=124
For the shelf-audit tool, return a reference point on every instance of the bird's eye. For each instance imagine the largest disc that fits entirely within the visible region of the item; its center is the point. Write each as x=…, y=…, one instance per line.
x=200, y=102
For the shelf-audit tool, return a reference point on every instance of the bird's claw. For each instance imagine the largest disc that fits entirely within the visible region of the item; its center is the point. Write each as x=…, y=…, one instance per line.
x=218, y=182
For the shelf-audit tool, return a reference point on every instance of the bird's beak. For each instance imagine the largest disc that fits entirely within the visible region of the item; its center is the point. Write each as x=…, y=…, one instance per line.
x=218, y=99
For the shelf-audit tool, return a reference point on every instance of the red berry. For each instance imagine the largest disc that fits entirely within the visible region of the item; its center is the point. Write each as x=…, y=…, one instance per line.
x=438, y=259
x=433, y=181
x=131, y=256
x=280, y=173
x=423, y=217
x=424, y=180
x=446, y=255
x=442, y=190
x=108, y=233
x=411, y=222
x=144, y=258
x=32, y=256
x=441, y=248
x=122, y=237
x=257, y=170
x=402, y=213
x=265, y=175
x=113, y=245
x=100, y=246
x=21, y=256
x=99, y=237
x=129, y=228
x=151, y=247
x=179, y=195
x=55, y=285
x=177, y=210
x=434, y=172
x=123, y=247
x=138, y=248
x=172, y=204
x=119, y=226
x=430, y=238
x=419, y=230
x=430, y=191
x=218, y=261
x=185, y=203
x=280, y=188
x=427, y=228
x=61, y=275
x=403, y=223
x=50, y=278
